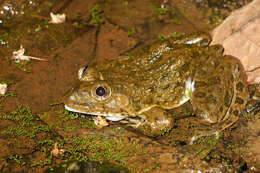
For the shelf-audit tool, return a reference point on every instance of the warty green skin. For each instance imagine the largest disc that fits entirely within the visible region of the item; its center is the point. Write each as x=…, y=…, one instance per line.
x=141, y=87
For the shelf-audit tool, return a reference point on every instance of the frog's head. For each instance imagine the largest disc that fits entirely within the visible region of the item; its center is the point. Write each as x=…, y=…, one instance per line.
x=97, y=96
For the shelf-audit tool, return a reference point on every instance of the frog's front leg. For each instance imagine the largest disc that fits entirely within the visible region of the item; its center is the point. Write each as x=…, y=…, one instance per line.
x=154, y=122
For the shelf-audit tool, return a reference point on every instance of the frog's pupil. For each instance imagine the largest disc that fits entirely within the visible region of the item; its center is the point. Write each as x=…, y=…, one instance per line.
x=100, y=91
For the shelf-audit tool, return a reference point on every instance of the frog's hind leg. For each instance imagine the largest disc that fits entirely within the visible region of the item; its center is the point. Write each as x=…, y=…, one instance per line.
x=216, y=131
x=219, y=127
x=219, y=98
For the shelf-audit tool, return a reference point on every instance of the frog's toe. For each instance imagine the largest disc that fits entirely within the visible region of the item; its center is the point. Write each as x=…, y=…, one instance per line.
x=210, y=133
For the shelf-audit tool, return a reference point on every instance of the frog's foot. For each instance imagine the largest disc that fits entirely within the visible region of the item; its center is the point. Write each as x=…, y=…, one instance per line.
x=210, y=133
x=153, y=122
x=252, y=107
x=216, y=132
x=133, y=122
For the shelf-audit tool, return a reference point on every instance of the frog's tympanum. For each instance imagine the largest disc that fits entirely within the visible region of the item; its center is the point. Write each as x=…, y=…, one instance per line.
x=138, y=89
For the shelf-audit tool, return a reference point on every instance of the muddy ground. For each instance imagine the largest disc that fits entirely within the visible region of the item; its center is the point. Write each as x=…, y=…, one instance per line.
x=32, y=115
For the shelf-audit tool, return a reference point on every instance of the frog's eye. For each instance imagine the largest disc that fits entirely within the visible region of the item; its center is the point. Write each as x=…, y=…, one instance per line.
x=101, y=92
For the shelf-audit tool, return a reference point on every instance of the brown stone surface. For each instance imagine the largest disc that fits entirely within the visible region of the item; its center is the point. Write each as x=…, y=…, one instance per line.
x=240, y=36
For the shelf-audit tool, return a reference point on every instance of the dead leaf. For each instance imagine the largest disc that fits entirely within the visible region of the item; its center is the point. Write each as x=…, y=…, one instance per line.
x=19, y=55
x=57, y=18
x=100, y=121
x=3, y=88
x=56, y=151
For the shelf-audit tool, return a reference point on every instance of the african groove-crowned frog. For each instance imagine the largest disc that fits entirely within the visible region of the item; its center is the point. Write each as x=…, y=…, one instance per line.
x=139, y=88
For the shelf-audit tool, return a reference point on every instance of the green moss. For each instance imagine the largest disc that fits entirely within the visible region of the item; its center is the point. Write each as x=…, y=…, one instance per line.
x=17, y=158
x=67, y=115
x=183, y=13
x=22, y=66
x=99, y=149
x=161, y=37
x=88, y=124
x=175, y=20
x=26, y=123
x=131, y=32
x=8, y=95
x=165, y=130
x=95, y=14
x=152, y=168
x=129, y=55
x=46, y=161
x=161, y=11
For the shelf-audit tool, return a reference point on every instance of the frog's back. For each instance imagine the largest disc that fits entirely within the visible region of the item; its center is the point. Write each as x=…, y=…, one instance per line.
x=156, y=74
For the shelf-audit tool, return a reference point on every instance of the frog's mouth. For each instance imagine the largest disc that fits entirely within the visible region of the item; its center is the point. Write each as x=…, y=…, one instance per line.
x=108, y=115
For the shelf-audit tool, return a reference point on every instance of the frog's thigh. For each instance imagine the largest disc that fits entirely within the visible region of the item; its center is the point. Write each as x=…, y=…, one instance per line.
x=217, y=106
x=157, y=121
x=220, y=94
x=207, y=105
x=214, y=90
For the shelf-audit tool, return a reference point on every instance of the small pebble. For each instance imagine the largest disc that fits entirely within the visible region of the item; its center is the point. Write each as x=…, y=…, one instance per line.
x=3, y=89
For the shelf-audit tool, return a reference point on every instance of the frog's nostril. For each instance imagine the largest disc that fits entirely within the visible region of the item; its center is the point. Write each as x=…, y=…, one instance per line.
x=84, y=69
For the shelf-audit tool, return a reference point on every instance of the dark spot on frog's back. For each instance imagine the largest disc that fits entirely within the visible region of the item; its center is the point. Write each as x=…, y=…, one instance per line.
x=221, y=109
x=199, y=84
x=195, y=54
x=227, y=99
x=214, y=80
x=211, y=99
x=199, y=94
x=240, y=86
x=239, y=100
x=202, y=72
x=185, y=67
x=236, y=112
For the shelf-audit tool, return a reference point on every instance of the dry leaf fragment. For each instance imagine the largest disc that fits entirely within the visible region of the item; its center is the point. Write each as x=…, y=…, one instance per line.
x=19, y=56
x=56, y=151
x=100, y=121
x=57, y=18
x=3, y=88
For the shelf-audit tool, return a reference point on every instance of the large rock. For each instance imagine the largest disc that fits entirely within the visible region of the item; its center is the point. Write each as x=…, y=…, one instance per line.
x=240, y=36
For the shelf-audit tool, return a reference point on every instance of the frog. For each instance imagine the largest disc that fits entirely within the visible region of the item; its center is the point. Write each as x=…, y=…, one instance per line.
x=139, y=88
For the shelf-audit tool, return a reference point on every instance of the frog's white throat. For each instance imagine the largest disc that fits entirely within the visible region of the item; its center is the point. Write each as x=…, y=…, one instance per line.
x=108, y=116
